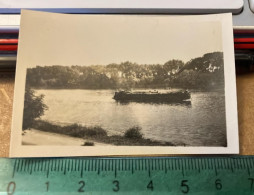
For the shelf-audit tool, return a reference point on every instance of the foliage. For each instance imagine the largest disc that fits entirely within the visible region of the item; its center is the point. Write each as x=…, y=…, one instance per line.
x=210, y=62
x=101, y=136
x=133, y=133
x=74, y=130
x=33, y=108
x=202, y=72
x=206, y=72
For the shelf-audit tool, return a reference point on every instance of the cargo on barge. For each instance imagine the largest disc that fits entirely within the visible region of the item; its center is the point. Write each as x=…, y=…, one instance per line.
x=153, y=96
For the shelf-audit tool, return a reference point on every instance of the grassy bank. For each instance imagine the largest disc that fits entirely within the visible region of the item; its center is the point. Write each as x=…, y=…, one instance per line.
x=131, y=137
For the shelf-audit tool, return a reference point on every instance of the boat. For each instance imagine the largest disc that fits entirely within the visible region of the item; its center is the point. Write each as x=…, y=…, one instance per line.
x=153, y=96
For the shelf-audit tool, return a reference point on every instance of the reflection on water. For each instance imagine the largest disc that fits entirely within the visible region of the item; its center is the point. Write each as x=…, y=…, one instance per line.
x=199, y=123
x=183, y=103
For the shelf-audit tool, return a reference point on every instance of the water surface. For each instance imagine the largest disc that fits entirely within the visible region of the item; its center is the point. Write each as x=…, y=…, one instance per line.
x=200, y=124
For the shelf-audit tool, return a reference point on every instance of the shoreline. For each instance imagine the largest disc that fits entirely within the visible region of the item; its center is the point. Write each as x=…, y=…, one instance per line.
x=97, y=135
x=38, y=137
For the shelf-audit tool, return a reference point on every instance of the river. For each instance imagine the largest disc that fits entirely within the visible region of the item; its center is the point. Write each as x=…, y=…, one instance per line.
x=202, y=123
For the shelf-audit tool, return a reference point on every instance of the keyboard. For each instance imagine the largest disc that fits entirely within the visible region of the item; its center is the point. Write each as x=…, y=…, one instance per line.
x=242, y=10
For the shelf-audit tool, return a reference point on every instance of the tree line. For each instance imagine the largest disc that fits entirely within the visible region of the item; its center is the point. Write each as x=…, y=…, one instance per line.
x=204, y=72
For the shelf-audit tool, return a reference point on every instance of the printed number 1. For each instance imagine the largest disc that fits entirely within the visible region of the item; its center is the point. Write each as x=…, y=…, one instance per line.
x=47, y=184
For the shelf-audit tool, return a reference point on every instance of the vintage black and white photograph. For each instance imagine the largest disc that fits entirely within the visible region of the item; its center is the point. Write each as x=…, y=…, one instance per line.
x=176, y=103
x=134, y=81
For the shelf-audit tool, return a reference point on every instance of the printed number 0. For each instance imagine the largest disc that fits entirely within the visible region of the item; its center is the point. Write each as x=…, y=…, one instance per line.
x=11, y=188
x=116, y=188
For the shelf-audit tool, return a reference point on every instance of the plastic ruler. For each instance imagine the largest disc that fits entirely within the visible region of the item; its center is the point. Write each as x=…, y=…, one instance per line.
x=167, y=175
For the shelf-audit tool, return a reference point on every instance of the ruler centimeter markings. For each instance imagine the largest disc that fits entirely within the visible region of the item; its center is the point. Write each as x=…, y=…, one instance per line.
x=169, y=175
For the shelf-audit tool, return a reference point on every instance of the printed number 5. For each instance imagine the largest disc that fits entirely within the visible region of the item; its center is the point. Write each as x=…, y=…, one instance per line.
x=185, y=187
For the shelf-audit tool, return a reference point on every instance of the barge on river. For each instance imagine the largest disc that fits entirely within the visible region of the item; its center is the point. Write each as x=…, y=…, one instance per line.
x=153, y=96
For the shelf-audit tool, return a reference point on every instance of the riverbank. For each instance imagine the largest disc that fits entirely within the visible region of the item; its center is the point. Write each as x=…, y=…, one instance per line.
x=37, y=137
x=90, y=135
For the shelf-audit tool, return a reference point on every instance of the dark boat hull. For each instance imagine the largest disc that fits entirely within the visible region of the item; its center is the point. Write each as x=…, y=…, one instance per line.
x=171, y=97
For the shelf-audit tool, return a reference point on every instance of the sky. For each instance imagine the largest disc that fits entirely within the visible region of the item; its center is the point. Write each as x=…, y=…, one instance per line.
x=101, y=40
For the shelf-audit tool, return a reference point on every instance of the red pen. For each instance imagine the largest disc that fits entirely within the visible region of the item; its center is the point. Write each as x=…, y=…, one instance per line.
x=244, y=45
x=8, y=47
x=240, y=43
x=8, y=41
x=244, y=40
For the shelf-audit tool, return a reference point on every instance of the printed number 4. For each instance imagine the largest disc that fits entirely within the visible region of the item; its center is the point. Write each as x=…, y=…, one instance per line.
x=150, y=185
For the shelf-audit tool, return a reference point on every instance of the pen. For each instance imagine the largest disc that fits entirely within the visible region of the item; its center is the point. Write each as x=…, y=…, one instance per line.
x=8, y=41
x=244, y=61
x=243, y=42
x=8, y=47
x=7, y=63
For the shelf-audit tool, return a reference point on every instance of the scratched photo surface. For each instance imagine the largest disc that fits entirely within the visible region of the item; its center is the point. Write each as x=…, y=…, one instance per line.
x=123, y=81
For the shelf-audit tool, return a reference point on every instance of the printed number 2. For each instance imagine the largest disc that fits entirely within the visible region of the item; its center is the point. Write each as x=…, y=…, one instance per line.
x=185, y=187
x=82, y=185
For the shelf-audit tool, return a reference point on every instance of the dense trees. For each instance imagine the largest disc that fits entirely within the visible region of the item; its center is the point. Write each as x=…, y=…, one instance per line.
x=33, y=108
x=204, y=72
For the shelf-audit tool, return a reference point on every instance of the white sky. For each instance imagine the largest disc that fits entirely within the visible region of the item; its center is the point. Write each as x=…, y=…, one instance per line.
x=55, y=39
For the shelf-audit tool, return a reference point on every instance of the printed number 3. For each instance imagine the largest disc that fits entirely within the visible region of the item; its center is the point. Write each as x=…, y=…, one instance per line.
x=116, y=188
